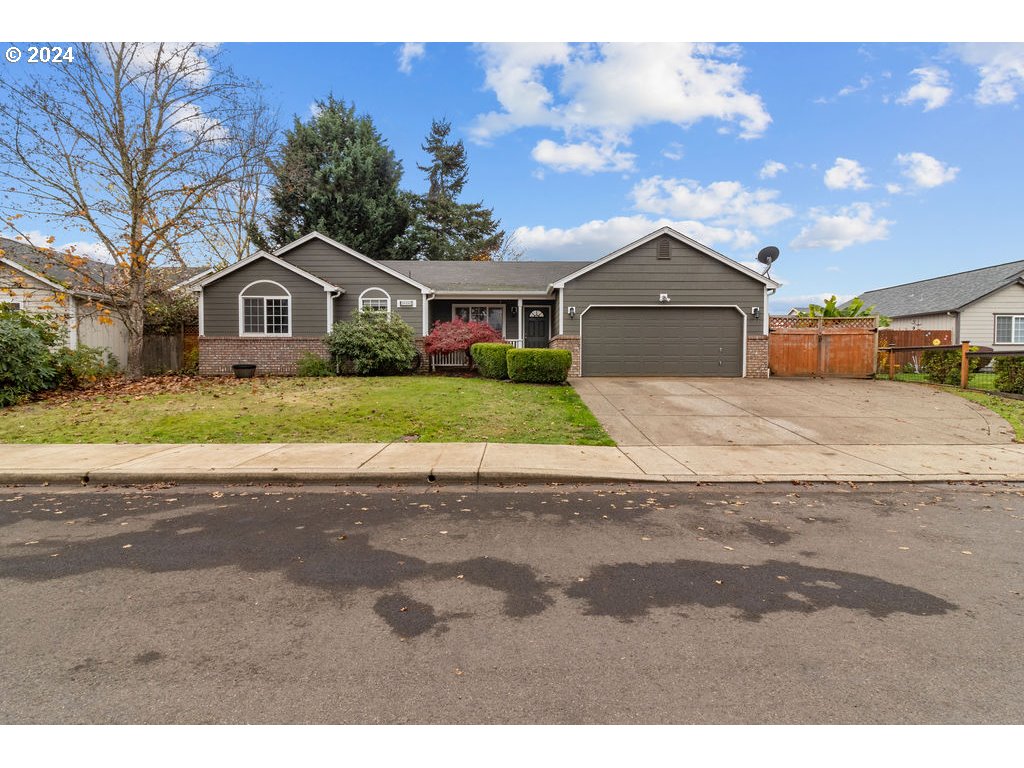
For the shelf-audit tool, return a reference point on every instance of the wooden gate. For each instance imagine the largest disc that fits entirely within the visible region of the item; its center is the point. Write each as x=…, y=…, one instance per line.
x=822, y=346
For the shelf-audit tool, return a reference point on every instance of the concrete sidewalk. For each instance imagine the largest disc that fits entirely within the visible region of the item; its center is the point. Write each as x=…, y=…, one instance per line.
x=501, y=462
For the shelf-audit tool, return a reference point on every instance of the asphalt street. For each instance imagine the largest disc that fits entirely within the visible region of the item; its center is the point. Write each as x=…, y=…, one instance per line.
x=795, y=603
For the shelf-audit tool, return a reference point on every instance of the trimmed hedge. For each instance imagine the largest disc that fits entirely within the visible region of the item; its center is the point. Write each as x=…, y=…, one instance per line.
x=539, y=366
x=1010, y=374
x=491, y=359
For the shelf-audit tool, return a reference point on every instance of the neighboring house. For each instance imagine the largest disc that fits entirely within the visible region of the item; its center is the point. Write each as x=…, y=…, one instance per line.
x=663, y=305
x=983, y=306
x=33, y=281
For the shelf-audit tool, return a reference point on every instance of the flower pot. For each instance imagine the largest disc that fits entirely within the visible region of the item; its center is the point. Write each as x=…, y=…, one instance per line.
x=244, y=370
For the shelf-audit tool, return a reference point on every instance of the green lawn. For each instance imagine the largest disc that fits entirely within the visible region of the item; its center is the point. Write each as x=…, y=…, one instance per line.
x=304, y=410
x=1010, y=409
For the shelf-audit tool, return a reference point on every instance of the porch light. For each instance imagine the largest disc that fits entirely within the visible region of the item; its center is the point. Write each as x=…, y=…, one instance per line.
x=571, y=311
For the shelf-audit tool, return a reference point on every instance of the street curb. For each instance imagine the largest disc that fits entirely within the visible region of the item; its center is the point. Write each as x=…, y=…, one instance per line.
x=416, y=477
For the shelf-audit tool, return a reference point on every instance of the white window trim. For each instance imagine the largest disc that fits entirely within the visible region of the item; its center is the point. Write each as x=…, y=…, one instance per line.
x=995, y=330
x=502, y=307
x=379, y=290
x=241, y=311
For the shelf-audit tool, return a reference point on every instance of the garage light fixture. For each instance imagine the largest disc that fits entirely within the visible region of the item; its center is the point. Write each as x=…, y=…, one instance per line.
x=664, y=299
x=571, y=311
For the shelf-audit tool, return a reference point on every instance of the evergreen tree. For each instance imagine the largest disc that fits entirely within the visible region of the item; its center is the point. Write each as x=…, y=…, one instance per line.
x=336, y=175
x=445, y=229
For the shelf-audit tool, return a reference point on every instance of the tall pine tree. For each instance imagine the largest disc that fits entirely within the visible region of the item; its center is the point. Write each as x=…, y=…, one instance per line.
x=336, y=175
x=445, y=229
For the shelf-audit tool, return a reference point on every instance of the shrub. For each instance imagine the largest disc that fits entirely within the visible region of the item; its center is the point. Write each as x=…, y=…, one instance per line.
x=943, y=365
x=458, y=336
x=374, y=343
x=491, y=359
x=26, y=364
x=78, y=368
x=313, y=365
x=539, y=366
x=1010, y=374
x=190, y=362
x=49, y=326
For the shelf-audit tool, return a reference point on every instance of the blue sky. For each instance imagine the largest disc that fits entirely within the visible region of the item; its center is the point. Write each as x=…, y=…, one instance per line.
x=867, y=164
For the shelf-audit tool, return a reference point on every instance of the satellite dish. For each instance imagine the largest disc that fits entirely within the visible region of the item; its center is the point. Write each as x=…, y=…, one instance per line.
x=767, y=256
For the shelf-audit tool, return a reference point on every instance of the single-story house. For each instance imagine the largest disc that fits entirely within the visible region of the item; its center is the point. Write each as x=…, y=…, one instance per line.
x=33, y=280
x=983, y=306
x=663, y=305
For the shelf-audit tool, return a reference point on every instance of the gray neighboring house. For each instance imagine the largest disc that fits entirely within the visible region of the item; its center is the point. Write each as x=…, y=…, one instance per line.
x=662, y=305
x=33, y=280
x=983, y=306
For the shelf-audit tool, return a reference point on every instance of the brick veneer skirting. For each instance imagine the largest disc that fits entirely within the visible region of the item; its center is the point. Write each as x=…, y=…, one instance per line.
x=757, y=357
x=572, y=343
x=276, y=357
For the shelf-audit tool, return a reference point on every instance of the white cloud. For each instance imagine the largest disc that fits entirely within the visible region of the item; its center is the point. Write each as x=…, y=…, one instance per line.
x=191, y=119
x=599, y=237
x=893, y=189
x=925, y=171
x=1000, y=67
x=932, y=88
x=187, y=59
x=408, y=53
x=609, y=89
x=862, y=85
x=781, y=303
x=832, y=269
x=852, y=225
x=846, y=174
x=771, y=169
x=674, y=151
x=585, y=157
x=722, y=203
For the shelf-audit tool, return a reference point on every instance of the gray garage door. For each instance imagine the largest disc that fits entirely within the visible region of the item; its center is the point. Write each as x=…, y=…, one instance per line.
x=662, y=341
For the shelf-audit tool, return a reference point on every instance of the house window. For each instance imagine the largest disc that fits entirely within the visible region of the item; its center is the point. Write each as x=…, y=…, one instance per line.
x=265, y=310
x=375, y=300
x=492, y=314
x=1009, y=329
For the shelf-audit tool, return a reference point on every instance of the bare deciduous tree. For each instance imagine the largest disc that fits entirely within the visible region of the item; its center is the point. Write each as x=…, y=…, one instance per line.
x=132, y=144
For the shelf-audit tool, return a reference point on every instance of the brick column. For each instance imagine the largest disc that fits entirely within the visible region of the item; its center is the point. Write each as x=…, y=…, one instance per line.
x=757, y=357
x=571, y=343
x=424, y=359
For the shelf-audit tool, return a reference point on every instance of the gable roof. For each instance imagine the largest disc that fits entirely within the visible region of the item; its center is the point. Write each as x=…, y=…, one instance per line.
x=942, y=294
x=681, y=238
x=269, y=257
x=485, y=276
x=351, y=252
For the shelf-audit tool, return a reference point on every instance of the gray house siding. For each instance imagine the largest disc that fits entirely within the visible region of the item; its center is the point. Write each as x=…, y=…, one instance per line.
x=687, y=276
x=220, y=300
x=978, y=320
x=934, y=322
x=355, y=276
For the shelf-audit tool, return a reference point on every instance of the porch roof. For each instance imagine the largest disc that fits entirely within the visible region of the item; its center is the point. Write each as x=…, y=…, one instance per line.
x=450, y=277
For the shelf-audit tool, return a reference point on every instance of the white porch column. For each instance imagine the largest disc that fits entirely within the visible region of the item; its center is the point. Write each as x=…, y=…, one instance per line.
x=522, y=343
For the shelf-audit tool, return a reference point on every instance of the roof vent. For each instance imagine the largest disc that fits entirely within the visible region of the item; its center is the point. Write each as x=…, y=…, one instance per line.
x=663, y=248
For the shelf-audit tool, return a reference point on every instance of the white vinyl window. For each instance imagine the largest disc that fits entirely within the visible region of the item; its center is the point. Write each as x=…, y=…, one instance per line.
x=375, y=300
x=1009, y=329
x=261, y=313
x=492, y=314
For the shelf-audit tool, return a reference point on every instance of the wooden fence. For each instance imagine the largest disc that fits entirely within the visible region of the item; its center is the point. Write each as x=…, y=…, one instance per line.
x=162, y=353
x=887, y=337
x=822, y=346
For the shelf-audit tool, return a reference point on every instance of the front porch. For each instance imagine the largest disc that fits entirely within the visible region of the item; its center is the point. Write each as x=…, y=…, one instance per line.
x=523, y=321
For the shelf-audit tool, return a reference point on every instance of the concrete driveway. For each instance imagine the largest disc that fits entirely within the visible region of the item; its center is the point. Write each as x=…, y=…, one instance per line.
x=785, y=412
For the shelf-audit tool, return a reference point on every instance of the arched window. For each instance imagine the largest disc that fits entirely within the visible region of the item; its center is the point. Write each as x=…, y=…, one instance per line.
x=264, y=309
x=376, y=299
